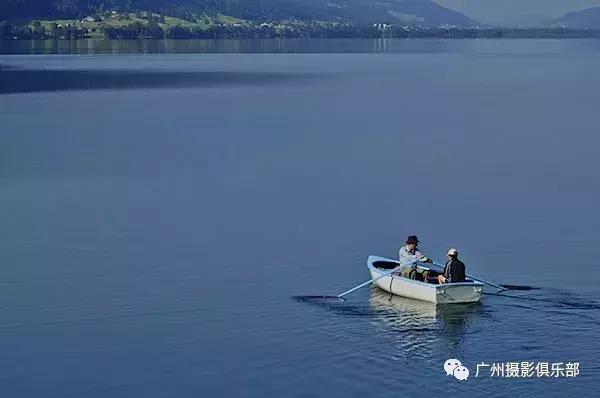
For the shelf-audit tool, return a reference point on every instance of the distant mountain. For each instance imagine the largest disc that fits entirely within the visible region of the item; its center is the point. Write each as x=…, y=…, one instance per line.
x=429, y=13
x=418, y=12
x=584, y=19
x=527, y=21
x=409, y=12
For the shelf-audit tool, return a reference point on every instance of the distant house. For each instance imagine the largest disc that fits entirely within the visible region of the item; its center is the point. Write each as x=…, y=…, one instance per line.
x=382, y=26
x=88, y=19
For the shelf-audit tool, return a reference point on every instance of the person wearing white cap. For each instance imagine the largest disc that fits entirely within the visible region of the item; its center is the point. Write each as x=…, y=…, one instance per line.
x=454, y=271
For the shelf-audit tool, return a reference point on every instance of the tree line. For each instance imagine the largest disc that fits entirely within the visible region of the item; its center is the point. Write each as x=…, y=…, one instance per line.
x=153, y=30
x=36, y=31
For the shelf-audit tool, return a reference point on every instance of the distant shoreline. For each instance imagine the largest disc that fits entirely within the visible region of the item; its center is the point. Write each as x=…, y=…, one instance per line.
x=425, y=34
x=146, y=25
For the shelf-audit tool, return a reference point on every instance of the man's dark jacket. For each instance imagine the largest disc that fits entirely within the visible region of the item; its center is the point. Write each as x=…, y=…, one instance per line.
x=454, y=271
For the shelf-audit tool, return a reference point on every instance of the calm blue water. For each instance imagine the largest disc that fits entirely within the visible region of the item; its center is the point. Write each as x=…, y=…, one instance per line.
x=160, y=211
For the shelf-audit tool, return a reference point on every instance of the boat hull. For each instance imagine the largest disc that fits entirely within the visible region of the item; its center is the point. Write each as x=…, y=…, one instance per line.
x=449, y=293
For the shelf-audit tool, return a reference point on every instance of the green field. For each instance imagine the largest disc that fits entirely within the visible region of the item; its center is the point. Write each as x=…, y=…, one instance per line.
x=120, y=20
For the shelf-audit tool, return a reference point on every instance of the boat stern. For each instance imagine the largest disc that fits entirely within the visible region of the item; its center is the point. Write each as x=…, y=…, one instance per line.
x=458, y=293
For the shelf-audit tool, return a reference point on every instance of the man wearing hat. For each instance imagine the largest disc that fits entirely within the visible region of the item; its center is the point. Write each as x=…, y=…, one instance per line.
x=454, y=271
x=409, y=256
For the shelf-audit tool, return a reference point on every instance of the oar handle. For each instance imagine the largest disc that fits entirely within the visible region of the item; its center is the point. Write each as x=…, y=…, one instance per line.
x=474, y=278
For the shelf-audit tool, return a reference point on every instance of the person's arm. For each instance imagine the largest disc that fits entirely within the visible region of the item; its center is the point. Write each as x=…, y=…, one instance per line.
x=447, y=270
x=422, y=258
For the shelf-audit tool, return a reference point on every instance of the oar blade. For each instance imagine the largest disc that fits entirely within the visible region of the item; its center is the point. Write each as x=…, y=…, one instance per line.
x=315, y=298
x=519, y=287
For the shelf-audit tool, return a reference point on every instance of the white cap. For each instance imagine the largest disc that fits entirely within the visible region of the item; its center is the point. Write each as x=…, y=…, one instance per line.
x=453, y=252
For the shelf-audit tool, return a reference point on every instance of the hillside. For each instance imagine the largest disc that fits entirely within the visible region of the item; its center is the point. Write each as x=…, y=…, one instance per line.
x=361, y=12
x=584, y=19
x=430, y=13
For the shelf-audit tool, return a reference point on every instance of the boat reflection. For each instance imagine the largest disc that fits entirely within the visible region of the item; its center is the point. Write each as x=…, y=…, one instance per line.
x=402, y=310
x=420, y=327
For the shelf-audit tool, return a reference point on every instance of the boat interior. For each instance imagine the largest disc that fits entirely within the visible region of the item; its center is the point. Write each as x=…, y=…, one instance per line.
x=394, y=264
x=386, y=264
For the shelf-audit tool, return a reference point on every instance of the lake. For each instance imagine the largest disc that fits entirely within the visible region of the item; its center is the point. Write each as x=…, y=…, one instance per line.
x=162, y=204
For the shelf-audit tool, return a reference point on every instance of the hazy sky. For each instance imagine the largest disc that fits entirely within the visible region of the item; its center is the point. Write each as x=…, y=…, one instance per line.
x=501, y=11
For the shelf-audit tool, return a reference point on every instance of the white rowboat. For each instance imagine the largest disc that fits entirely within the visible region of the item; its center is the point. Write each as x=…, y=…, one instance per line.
x=462, y=292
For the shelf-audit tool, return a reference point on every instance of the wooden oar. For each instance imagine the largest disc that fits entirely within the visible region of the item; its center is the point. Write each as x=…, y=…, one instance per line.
x=475, y=279
x=341, y=296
